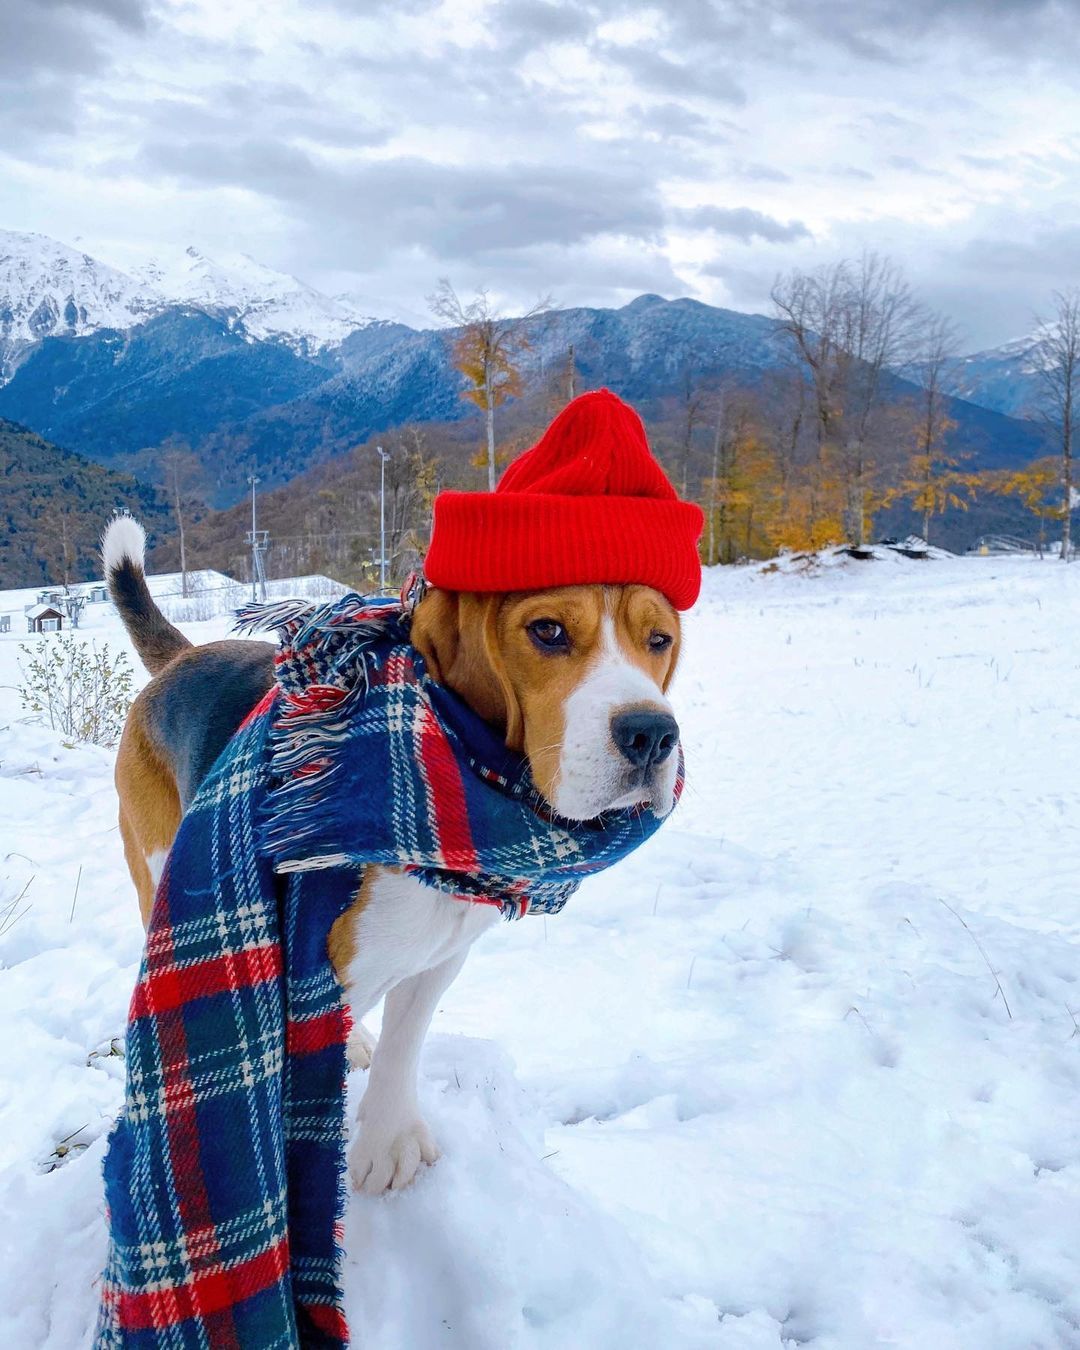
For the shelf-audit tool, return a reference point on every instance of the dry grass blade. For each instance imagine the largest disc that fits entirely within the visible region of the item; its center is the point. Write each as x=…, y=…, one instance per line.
x=982, y=953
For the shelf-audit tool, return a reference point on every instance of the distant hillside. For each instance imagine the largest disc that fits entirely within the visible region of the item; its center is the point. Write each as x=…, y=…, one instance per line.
x=1005, y=378
x=244, y=405
x=327, y=519
x=180, y=375
x=53, y=506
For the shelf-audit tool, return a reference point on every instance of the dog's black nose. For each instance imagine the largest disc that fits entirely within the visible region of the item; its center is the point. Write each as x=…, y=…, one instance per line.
x=645, y=737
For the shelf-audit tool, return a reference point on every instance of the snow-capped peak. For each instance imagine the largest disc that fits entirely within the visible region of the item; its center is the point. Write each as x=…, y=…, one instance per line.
x=268, y=304
x=49, y=289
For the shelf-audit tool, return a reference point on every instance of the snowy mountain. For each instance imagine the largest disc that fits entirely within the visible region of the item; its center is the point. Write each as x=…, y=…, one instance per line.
x=199, y=376
x=1004, y=378
x=49, y=290
x=266, y=304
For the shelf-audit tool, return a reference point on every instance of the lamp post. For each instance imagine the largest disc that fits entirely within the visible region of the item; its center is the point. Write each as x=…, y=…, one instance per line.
x=254, y=538
x=383, y=457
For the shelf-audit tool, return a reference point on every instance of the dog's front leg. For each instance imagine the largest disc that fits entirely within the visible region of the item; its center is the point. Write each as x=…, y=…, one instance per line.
x=394, y=1139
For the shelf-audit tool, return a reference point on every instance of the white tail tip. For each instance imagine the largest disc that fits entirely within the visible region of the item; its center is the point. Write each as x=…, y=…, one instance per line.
x=124, y=540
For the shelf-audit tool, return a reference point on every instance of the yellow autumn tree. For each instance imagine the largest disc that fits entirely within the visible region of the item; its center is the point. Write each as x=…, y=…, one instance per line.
x=487, y=349
x=933, y=484
x=1037, y=487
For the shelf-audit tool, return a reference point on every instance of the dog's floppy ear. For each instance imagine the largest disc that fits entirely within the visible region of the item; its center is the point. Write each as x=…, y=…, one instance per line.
x=435, y=632
x=457, y=635
x=515, y=723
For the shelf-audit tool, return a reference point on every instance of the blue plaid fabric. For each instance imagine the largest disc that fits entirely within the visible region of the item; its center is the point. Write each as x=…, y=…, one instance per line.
x=224, y=1176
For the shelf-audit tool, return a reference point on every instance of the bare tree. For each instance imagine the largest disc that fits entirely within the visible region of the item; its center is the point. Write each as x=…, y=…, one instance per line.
x=1059, y=375
x=182, y=473
x=411, y=485
x=487, y=350
x=693, y=411
x=851, y=325
x=731, y=412
x=929, y=369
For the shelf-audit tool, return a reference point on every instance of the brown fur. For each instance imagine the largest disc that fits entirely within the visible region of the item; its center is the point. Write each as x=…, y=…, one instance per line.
x=479, y=646
x=149, y=804
x=341, y=944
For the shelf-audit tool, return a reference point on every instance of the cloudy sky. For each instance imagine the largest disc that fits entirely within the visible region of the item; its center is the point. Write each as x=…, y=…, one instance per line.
x=587, y=150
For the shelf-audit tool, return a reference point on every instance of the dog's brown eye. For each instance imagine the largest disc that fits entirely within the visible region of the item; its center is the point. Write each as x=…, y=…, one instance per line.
x=660, y=642
x=548, y=634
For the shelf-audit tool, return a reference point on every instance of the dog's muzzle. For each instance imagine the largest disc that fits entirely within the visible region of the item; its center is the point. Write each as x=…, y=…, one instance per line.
x=645, y=737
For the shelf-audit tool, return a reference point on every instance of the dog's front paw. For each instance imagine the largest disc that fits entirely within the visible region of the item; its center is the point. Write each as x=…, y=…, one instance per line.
x=387, y=1158
x=360, y=1047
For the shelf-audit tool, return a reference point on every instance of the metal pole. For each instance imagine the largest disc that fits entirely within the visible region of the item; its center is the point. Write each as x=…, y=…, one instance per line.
x=382, y=518
x=254, y=545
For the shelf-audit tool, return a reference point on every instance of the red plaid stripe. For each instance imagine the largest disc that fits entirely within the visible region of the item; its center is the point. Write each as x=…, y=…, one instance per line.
x=208, y=1293
x=167, y=986
x=450, y=813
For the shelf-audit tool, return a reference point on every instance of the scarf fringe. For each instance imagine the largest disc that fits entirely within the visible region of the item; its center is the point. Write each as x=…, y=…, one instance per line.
x=324, y=667
x=372, y=762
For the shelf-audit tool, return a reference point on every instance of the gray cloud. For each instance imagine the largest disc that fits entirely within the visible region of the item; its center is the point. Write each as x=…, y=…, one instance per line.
x=538, y=21
x=130, y=14
x=450, y=213
x=49, y=51
x=761, y=173
x=1053, y=254
x=672, y=120
x=38, y=40
x=876, y=31
x=285, y=112
x=479, y=155
x=741, y=223
x=909, y=164
x=654, y=71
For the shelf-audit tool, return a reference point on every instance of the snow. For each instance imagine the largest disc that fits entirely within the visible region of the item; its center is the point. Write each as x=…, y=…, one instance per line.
x=48, y=289
x=804, y=1071
x=267, y=304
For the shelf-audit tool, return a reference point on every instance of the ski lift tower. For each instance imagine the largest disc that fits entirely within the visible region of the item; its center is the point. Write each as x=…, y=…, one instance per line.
x=259, y=543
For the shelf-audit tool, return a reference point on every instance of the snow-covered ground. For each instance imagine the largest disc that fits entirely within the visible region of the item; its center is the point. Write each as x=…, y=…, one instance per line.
x=805, y=1071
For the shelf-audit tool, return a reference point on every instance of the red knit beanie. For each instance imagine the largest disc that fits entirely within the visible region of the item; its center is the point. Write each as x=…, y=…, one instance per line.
x=587, y=504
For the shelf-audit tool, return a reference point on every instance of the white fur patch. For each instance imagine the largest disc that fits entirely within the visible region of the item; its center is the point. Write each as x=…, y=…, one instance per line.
x=124, y=538
x=155, y=862
x=411, y=941
x=593, y=776
x=403, y=929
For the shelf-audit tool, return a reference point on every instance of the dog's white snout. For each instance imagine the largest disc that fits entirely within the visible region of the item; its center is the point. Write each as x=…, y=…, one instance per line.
x=619, y=740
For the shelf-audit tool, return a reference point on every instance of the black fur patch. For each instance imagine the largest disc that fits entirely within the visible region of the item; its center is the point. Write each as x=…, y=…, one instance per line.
x=154, y=637
x=197, y=704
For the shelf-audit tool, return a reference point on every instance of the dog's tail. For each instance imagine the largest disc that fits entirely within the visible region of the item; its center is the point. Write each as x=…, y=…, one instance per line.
x=123, y=550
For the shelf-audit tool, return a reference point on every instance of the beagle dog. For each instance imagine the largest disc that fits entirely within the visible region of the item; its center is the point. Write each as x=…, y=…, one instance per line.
x=574, y=678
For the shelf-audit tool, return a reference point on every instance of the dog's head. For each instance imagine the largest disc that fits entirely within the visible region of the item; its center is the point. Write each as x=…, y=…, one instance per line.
x=576, y=679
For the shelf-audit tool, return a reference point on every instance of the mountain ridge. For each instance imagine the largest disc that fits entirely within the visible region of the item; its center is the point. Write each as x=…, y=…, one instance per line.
x=52, y=289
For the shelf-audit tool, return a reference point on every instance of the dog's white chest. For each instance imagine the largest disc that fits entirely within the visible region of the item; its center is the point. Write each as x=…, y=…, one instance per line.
x=405, y=928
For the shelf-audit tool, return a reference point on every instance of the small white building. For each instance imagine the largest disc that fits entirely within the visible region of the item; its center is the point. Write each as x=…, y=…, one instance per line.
x=44, y=618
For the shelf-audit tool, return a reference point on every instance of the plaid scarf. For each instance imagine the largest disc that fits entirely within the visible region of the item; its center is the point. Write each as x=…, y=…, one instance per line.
x=224, y=1175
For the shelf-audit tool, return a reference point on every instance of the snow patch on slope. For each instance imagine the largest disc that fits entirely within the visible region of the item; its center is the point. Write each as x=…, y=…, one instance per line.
x=266, y=304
